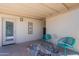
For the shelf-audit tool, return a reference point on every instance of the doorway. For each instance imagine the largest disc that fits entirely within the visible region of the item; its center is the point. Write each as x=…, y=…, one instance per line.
x=8, y=31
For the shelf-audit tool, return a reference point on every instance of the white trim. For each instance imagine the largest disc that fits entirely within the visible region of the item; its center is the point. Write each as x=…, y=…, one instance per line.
x=3, y=33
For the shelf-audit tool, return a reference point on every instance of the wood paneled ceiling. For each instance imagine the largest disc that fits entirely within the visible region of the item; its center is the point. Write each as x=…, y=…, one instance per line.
x=36, y=10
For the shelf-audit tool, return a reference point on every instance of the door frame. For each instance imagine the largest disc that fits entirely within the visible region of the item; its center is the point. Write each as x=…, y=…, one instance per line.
x=3, y=21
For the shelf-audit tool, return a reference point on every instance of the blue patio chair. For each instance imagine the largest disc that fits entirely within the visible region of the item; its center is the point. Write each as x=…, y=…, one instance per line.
x=66, y=42
x=47, y=38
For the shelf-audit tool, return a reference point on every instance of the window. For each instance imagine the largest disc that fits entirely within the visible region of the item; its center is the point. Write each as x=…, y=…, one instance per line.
x=30, y=28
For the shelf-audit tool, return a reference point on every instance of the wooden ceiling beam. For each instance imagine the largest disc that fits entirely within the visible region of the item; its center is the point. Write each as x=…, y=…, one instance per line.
x=65, y=6
x=21, y=16
x=50, y=8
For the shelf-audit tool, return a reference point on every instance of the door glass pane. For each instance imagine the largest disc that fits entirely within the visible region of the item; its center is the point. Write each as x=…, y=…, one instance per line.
x=9, y=28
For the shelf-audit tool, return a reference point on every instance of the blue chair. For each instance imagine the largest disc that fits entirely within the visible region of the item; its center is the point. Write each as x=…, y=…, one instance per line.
x=66, y=42
x=47, y=38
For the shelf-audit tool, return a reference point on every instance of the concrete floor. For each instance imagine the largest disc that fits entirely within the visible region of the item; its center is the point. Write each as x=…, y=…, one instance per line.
x=18, y=49
x=15, y=49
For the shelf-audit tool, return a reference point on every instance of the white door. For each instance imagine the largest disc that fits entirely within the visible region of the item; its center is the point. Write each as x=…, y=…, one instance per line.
x=8, y=31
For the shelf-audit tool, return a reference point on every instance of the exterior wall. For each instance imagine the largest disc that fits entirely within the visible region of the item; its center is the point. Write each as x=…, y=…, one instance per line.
x=0, y=32
x=64, y=25
x=21, y=29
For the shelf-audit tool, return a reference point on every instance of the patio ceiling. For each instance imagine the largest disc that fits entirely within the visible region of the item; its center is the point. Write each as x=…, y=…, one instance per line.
x=36, y=10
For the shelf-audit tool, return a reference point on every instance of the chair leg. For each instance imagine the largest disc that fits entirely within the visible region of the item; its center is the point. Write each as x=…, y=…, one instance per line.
x=75, y=51
x=65, y=51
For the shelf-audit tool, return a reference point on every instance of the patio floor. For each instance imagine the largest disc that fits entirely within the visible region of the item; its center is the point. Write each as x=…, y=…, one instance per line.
x=21, y=49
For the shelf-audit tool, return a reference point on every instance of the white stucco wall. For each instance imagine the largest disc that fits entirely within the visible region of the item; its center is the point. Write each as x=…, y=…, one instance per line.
x=21, y=33
x=22, y=30
x=0, y=31
x=66, y=24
